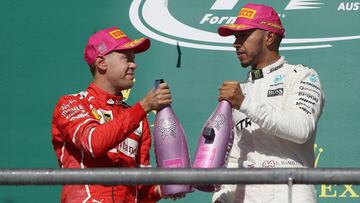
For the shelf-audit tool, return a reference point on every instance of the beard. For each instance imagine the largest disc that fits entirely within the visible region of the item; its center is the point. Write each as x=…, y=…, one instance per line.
x=251, y=58
x=245, y=61
x=245, y=64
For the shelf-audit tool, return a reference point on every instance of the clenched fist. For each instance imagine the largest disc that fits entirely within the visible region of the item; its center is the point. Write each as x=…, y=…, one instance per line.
x=156, y=98
x=230, y=91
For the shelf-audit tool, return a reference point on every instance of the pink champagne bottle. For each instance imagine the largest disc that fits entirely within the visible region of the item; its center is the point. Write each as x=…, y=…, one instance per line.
x=215, y=142
x=170, y=146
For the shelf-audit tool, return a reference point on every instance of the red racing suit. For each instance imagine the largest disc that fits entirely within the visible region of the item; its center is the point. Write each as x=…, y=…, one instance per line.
x=94, y=129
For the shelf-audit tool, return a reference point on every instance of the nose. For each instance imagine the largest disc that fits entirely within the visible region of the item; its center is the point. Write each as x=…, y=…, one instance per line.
x=237, y=43
x=132, y=65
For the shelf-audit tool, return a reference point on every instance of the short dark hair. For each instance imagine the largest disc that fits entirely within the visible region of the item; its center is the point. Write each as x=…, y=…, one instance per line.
x=92, y=69
x=276, y=44
x=278, y=40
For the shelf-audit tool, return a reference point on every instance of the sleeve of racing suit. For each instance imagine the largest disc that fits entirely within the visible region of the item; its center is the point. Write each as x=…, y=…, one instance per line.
x=145, y=144
x=73, y=117
x=295, y=119
x=227, y=192
x=146, y=192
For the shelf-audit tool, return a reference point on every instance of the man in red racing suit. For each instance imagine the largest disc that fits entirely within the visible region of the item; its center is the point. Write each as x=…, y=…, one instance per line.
x=95, y=128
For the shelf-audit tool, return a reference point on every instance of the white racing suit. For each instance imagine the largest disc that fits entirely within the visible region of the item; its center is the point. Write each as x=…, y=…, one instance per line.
x=275, y=127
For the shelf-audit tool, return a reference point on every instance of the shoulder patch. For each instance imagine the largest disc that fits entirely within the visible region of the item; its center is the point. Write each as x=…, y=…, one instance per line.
x=81, y=95
x=300, y=67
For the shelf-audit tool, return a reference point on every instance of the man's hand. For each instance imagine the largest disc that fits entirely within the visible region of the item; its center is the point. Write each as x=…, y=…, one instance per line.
x=155, y=99
x=231, y=92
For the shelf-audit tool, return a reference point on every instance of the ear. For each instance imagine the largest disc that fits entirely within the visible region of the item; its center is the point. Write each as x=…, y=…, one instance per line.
x=269, y=38
x=100, y=63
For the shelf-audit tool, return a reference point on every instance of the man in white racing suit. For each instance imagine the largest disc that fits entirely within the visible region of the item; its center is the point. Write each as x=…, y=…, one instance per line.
x=275, y=112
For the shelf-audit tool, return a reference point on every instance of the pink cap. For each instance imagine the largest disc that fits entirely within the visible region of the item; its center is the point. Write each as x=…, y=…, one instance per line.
x=253, y=16
x=112, y=39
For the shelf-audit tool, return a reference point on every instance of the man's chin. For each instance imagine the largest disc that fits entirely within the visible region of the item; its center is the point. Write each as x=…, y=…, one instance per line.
x=130, y=80
x=245, y=65
x=130, y=77
x=128, y=85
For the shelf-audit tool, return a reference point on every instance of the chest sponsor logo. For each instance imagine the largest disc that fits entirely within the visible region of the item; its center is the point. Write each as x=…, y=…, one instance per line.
x=138, y=131
x=276, y=68
x=257, y=74
x=103, y=116
x=310, y=84
x=305, y=110
x=72, y=112
x=307, y=101
x=169, y=22
x=275, y=92
x=278, y=78
x=244, y=123
x=309, y=96
x=128, y=147
x=309, y=89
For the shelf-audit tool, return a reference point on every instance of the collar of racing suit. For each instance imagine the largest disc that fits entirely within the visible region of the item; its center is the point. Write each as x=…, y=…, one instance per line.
x=260, y=73
x=104, y=96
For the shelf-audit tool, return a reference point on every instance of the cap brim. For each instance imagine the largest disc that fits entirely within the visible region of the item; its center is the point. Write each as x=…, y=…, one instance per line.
x=230, y=29
x=138, y=45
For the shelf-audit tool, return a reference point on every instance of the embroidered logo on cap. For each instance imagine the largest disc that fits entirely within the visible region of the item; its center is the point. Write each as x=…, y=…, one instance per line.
x=247, y=13
x=102, y=48
x=274, y=25
x=117, y=34
x=133, y=43
x=236, y=26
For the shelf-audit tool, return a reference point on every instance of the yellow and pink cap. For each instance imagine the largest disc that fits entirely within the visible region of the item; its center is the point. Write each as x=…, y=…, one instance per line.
x=112, y=39
x=254, y=16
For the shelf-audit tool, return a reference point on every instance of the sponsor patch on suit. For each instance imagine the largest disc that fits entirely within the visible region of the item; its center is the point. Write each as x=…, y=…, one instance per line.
x=275, y=92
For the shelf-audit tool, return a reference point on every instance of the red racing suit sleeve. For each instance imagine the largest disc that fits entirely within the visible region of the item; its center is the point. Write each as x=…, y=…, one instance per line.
x=147, y=193
x=74, y=120
x=143, y=157
x=296, y=117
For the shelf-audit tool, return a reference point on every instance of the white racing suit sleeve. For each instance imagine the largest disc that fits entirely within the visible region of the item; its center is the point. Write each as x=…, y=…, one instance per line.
x=227, y=192
x=295, y=119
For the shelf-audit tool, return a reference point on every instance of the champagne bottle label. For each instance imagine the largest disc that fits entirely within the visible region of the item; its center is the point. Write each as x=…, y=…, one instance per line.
x=167, y=128
x=205, y=157
x=173, y=163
